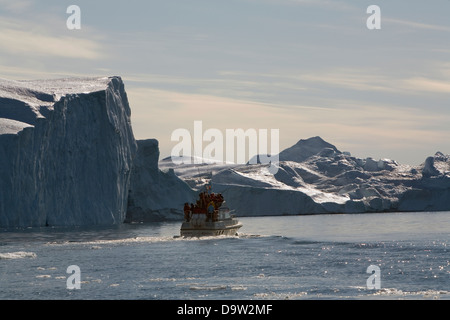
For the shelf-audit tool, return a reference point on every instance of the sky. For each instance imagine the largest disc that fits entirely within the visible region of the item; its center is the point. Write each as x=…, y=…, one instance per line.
x=305, y=67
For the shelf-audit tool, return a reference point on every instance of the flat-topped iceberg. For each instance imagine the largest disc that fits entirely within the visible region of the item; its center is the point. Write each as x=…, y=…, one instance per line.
x=66, y=151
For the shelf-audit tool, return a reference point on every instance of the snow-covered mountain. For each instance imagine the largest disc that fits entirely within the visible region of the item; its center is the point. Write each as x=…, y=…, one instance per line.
x=66, y=150
x=315, y=177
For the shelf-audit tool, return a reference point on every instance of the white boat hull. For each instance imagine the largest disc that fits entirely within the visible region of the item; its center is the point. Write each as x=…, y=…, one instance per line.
x=228, y=227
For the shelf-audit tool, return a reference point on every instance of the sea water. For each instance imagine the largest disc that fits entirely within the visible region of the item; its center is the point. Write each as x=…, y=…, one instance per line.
x=279, y=257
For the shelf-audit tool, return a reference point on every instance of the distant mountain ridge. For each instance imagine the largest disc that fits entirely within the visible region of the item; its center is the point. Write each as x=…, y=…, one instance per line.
x=315, y=177
x=306, y=148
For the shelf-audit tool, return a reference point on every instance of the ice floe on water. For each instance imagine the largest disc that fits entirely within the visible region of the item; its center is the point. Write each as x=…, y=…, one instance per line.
x=426, y=294
x=17, y=255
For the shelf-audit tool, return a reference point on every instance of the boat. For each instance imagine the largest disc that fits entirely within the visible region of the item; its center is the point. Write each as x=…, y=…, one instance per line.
x=209, y=216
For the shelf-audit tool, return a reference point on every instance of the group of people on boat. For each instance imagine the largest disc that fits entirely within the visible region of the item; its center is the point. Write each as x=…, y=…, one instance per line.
x=208, y=203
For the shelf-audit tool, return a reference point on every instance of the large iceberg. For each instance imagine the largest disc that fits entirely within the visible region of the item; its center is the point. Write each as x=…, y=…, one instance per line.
x=315, y=177
x=68, y=157
x=66, y=151
x=155, y=195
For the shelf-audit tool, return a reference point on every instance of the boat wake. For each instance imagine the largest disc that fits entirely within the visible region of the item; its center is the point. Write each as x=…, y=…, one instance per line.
x=144, y=239
x=97, y=243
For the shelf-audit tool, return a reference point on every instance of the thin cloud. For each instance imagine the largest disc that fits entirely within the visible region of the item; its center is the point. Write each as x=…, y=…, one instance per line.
x=330, y=4
x=369, y=80
x=350, y=123
x=17, y=6
x=427, y=85
x=417, y=25
x=31, y=43
x=354, y=79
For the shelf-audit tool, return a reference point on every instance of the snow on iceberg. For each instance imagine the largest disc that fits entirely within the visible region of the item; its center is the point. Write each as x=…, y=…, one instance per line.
x=68, y=157
x=66, y=150
x=315, y=177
